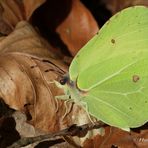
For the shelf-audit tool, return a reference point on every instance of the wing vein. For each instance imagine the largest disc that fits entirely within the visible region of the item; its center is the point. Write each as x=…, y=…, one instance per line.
x=112, y=75
x=116, y=109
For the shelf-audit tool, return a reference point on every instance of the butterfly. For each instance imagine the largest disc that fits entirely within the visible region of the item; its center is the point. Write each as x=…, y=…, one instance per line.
x=110, y=73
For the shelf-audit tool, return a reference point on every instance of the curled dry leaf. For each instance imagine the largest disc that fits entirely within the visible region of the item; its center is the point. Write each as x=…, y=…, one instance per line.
x=116, y=5
x=66, y=22
x=78, y=27
x=30, y=6
x=27, y=74
x=14, y=11
x=25, y=39
x=24, y=86
x=112, y=137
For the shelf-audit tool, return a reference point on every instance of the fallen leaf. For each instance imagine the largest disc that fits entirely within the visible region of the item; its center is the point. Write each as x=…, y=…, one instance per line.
x=25, y=39
x=28, y=70
x=78, y=27
x=66, y=22
x=14, y=11
x=113, y=137
x=25, y=77
x=30, y=6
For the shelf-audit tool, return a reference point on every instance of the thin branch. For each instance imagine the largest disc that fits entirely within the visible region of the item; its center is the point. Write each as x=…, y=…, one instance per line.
x=73, y=130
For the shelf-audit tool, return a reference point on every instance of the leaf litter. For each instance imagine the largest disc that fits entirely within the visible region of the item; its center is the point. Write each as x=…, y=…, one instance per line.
x=29, y=65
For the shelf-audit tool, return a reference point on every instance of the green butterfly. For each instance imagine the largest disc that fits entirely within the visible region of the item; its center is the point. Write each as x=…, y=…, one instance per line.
x=110, y=73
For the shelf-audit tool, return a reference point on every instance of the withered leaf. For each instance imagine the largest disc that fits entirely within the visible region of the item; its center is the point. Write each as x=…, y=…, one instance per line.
x=66, y=22
x=14, y=11
x=78, y=27
x=28, y=70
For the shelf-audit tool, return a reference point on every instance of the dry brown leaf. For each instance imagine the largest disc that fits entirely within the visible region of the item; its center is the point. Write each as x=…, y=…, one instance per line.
x=27, y=85
x=25, y=78
x=14, y=11
x=30, y=6
x=113, y=137
x=11, y=12
x=116, y=5
x=78, y=27
x=66, y=22
x=27, y=74
x=25, y=39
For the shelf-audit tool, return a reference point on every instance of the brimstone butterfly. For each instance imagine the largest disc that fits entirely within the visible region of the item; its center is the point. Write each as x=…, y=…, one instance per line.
x=110, y=73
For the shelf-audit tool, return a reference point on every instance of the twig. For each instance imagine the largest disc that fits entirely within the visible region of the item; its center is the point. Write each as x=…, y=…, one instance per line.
x=73, y=130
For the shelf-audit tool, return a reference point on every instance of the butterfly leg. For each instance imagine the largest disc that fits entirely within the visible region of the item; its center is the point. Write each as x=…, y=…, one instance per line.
x=61, y=97
x=67, y=109
x=85, y=106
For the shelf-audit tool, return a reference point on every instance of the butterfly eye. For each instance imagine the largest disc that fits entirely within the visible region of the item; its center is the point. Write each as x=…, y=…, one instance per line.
x=64, y=80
